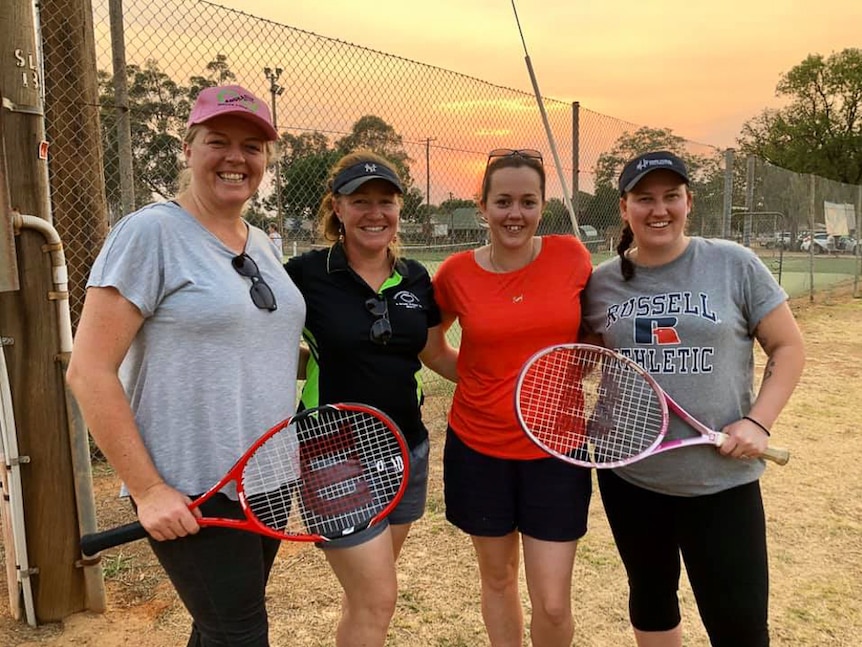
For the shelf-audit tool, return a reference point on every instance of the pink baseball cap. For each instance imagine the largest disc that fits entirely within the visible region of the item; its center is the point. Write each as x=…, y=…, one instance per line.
x=232, y=100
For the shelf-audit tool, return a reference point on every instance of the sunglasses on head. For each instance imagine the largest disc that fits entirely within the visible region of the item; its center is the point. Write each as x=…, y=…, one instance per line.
x=526, y=153
x=261, y=293
x=381, y=329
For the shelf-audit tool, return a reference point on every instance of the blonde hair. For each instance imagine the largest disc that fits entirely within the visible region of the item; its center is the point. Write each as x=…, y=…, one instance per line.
x=328, y=225
x=270, y=150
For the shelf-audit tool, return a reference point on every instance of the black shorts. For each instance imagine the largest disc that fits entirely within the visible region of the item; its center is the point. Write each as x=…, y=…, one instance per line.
x=545, y=498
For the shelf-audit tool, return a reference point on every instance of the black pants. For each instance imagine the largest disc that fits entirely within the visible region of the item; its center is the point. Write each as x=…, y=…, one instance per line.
x=220, y=575
x=722, y=539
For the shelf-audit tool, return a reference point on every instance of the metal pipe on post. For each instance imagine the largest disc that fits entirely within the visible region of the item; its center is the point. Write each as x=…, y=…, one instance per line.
x=94, y=588
x=567, y=200
x=121, y=106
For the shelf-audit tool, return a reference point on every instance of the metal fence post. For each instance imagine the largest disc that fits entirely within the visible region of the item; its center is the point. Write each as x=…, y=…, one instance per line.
x=121, y=104
x=727, y=206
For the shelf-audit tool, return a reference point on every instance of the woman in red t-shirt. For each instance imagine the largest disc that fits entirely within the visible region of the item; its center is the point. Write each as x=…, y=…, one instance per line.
x=512, y=297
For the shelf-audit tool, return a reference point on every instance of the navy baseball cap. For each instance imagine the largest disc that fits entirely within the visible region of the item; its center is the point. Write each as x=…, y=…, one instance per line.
x=353, y=177
x=635, y=170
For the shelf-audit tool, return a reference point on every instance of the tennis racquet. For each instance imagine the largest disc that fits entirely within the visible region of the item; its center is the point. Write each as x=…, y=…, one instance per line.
x=325, y=473
x=594, y=407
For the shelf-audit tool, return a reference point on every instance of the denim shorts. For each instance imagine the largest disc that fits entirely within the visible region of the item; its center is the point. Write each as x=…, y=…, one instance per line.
x=409, y=509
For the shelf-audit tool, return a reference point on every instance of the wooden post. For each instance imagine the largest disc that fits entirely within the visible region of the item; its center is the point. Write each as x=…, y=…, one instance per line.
x=28, y=318
x=8, y=266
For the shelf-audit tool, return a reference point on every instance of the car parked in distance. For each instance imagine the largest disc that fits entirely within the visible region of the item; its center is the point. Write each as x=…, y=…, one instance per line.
x=776, y=240
x=825, y=244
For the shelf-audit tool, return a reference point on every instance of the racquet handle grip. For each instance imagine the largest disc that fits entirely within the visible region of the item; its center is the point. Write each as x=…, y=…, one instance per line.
x=98, y=541
x=777, y=455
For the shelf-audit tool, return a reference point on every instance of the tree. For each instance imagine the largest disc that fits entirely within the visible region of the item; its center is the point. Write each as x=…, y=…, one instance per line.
x=820, y=131
x=373, y=133
x=705, y=174
x=308, y=157
x=411, y=209
x=304, y=183
x=555, y=218
x=159, y=108
x=456, y=203
x=218, y=73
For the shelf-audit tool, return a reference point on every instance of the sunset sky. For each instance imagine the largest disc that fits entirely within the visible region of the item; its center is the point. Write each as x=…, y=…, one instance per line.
x=700, y=68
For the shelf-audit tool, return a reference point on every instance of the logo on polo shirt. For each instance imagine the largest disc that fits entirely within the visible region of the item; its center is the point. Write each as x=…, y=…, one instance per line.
x=407, y=299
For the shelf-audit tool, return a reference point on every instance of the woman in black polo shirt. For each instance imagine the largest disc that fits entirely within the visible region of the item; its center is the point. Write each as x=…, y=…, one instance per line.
x=370, y=317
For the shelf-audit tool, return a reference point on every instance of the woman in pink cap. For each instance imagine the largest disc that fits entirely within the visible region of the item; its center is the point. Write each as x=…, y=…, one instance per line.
x=173, y=385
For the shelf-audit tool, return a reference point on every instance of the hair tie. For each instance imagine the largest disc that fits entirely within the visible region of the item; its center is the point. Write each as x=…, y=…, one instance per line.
x=752, y=420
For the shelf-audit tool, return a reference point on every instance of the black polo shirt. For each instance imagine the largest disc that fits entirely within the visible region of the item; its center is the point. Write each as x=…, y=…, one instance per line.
x=346, y=365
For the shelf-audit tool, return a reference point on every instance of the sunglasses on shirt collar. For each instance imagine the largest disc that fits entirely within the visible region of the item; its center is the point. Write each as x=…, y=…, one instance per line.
x=261, y=294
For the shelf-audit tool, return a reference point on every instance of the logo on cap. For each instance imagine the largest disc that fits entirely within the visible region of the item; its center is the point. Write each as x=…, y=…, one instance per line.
x=644, y=163
x=233, y=98
x=371, y=168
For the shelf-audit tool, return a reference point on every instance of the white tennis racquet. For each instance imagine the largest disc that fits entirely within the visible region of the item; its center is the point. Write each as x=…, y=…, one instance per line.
x=594, y=407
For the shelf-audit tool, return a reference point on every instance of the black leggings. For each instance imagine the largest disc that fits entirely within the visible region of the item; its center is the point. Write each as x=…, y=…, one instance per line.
x=220, y=575
x=722, y=538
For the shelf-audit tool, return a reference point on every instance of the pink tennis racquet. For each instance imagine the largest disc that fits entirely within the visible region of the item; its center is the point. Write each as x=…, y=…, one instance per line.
x=594, y=407
x=325, y=473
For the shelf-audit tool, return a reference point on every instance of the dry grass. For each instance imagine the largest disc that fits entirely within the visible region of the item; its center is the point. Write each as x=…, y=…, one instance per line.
x=815, y=534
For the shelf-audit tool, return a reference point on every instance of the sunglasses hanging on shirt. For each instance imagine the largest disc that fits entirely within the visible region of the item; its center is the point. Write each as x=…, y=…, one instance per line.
x=381, y=329
x=261, y=293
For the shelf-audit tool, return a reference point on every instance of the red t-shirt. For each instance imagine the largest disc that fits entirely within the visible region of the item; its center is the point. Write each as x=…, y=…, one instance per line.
x=504, y=319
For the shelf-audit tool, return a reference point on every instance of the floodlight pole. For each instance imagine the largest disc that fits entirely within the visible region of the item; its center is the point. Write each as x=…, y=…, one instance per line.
x=272, y=75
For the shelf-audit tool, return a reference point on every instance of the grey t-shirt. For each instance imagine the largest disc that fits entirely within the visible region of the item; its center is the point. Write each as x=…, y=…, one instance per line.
x=690, y=323
x=208, y=371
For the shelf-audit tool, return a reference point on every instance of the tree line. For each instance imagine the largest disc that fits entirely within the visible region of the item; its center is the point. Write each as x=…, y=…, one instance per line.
x=818, y=131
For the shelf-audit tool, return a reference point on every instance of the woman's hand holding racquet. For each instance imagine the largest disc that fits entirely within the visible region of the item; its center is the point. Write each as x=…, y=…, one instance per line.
x=165, y=514
x=744, y=440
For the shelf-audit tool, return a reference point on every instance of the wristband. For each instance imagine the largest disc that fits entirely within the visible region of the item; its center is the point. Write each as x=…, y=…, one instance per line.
x=753, y=421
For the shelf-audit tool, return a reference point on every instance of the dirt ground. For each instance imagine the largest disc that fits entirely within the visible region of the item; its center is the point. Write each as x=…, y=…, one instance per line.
x=815, y=534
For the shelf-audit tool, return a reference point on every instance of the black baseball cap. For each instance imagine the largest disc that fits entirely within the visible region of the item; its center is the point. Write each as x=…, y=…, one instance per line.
x=635, y=170
x=353, y=177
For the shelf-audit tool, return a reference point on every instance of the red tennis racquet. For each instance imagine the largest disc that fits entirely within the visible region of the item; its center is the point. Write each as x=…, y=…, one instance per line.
x=594, y=407
x=325, y=473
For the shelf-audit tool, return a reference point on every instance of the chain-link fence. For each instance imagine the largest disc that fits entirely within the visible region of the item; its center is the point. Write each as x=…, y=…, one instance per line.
x=329, y=96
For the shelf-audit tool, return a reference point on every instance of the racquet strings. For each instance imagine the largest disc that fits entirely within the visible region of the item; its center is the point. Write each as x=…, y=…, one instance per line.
x=326, y=473
x=590, y=406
